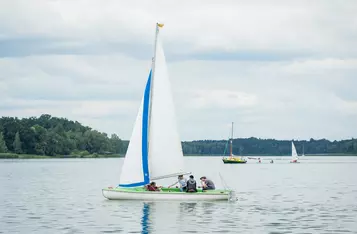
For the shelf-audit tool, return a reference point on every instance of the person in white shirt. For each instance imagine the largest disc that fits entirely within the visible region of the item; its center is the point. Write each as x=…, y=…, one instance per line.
x=182, y=182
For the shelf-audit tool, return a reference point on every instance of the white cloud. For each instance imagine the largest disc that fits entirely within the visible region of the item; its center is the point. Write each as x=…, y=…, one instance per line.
x=310, y=28
x=221, y=99
x=283, y=69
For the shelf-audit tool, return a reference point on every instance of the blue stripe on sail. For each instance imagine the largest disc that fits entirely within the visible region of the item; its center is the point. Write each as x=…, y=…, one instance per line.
x=144, y=139
x=145, y=126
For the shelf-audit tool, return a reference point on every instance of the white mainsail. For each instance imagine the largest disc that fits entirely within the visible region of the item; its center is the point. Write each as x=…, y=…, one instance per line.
x=165, y=150
x=155, y=149
x=294, y=154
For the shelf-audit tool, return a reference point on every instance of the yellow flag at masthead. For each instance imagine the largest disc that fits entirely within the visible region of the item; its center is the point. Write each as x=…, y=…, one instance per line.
x=160, y=25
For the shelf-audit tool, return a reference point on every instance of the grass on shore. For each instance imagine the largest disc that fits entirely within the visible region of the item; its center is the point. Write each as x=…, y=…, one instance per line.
x=29, y=156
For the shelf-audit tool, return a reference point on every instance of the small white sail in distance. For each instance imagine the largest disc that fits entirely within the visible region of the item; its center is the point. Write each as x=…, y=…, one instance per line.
x=294, y=154
x=155, y=150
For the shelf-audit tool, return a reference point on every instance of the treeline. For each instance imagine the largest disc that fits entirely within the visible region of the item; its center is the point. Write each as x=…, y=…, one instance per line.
x=52, y=136
x=255, y=146
x=47, y=135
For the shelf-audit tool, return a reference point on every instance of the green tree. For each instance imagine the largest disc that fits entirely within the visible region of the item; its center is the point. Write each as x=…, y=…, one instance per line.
x=3, y=148
x=116, y=144
x=40, y=138
x=17, y=144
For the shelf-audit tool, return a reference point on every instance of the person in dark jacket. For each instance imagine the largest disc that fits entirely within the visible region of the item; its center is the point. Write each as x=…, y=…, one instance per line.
x=191, y=186
x=207, y=184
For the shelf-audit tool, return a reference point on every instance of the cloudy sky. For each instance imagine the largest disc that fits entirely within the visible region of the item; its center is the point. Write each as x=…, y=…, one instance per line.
x=283, y=70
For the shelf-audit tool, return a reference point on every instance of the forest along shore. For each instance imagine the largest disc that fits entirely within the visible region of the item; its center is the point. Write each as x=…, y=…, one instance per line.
x=53, y=137
x=34, y=156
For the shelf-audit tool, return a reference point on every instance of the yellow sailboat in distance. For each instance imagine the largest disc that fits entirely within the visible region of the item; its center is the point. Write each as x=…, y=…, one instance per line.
x=233, y=159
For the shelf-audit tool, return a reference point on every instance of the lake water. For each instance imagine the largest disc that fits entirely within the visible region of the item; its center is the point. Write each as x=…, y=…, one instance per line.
x=319, y=195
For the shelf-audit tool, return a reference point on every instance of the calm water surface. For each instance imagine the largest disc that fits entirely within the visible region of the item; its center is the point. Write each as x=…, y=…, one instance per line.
x=319, y=195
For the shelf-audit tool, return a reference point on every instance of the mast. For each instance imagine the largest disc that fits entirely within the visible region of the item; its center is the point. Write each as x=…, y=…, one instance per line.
x=232, y=141
x=158, y=26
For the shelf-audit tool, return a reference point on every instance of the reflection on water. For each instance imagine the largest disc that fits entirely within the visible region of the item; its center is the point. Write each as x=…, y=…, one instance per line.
x=188, y=207
x=176, y=216
x=63, y=196
x=179, y=217
x=145, y=219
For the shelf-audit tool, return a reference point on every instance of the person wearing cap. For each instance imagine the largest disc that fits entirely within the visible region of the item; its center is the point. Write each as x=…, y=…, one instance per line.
x=207, y=184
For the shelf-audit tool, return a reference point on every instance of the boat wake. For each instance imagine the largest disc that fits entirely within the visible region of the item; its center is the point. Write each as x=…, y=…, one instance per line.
x=232, y=196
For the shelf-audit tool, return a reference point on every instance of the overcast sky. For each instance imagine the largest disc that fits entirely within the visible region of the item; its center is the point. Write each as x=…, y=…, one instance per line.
x=284, y=70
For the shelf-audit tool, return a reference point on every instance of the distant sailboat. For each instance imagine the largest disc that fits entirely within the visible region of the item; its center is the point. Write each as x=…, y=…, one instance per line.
x=232, y=159
x=294, y=155
x=155, y=150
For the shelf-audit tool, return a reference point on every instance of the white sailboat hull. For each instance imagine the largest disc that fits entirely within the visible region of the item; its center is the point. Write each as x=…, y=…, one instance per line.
x=112, y=194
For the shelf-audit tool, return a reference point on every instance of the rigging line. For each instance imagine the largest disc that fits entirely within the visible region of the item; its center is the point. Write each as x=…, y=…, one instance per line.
x=225, y=149
x=223, y=181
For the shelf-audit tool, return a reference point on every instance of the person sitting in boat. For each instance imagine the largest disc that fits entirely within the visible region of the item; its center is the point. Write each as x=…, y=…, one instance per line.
x=207, y=184
x=152, y=187
x=182, y=182
x=191, y=185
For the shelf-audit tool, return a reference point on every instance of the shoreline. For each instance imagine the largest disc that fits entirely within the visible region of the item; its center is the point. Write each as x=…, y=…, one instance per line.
x=32, y=156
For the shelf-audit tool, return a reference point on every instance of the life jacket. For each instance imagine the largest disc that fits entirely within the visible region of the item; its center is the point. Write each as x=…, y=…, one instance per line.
x=151, y=188
x=191, y=186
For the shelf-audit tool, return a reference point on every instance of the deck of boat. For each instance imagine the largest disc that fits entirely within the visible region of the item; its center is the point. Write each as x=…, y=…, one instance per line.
x=141, y=193
x=166, y=190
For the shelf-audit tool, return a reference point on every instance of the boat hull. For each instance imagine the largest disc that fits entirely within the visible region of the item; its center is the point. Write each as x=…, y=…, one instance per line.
x=233, y=161
x=141, y=194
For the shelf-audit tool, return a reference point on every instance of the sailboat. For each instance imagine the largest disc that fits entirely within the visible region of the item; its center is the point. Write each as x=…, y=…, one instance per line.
x=294, y=155
x=155, y=150
x=232, y=159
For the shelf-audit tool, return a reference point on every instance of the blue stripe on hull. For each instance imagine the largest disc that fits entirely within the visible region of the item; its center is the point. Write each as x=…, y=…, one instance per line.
x=144, y=140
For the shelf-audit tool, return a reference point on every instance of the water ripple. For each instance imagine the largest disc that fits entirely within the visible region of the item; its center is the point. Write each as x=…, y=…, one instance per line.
x=64, y=197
